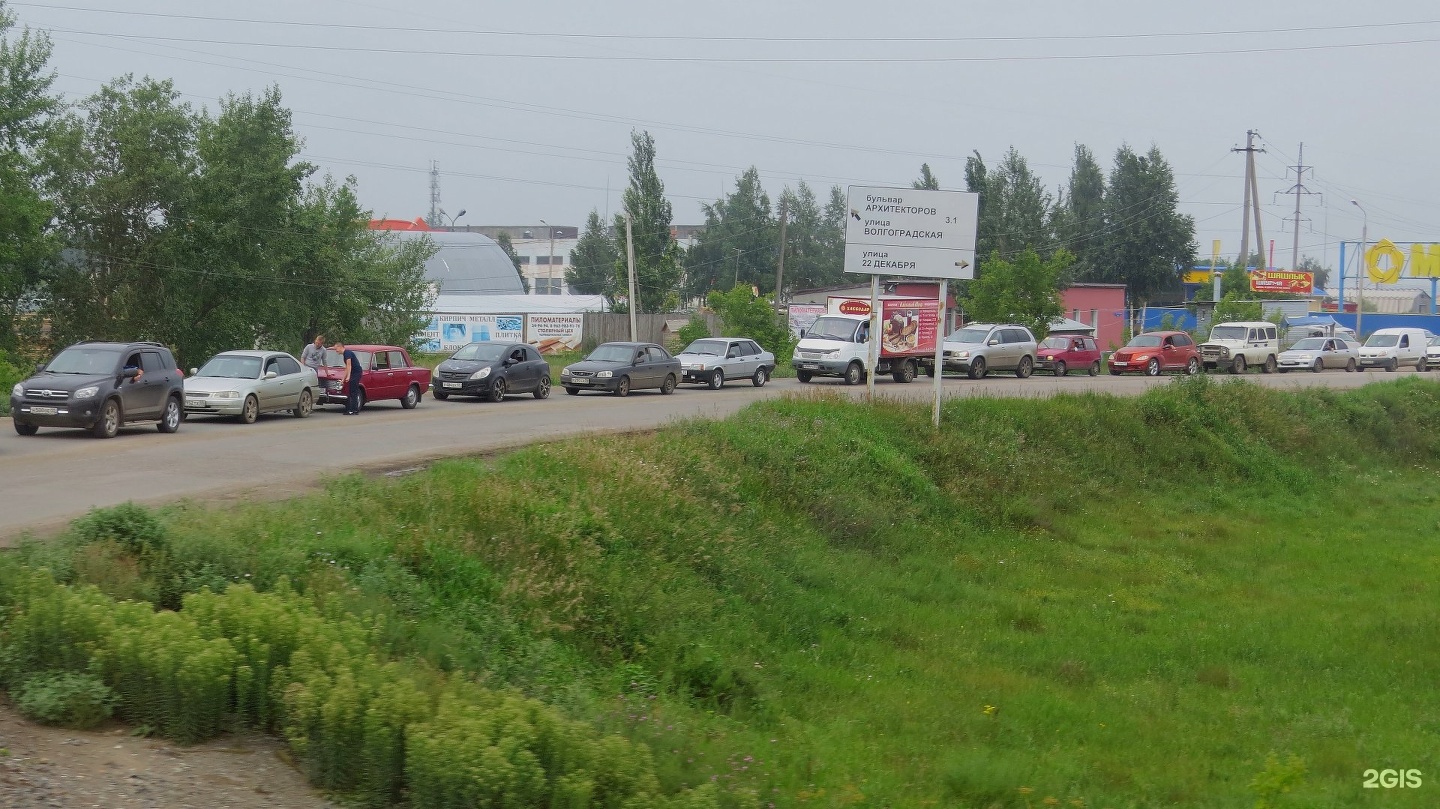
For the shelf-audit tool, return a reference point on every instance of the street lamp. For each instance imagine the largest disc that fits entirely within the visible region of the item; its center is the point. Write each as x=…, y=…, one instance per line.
x=550, y=265
x=453, y=218
x=1361, y=263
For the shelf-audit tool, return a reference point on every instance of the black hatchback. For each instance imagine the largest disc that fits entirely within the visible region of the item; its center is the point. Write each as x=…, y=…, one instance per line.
x=99, y=387
x=492, y=370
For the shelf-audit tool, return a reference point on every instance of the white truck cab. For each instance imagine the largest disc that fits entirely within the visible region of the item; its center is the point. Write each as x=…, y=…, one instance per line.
x=1394, y=348
x=1239, y=345
x=834, y=345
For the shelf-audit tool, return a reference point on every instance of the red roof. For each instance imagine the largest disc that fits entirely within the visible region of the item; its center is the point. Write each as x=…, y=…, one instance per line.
x=398, y=224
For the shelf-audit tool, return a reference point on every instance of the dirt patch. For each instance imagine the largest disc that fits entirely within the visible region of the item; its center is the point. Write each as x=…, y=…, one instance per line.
x=53, y=768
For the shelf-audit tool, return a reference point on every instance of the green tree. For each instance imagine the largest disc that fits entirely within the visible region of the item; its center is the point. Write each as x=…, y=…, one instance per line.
x=1015, y=208
x=508, y=246
x=1025, y=290
x=1312, y=265
x=1234, y=306
x=1080, y=215
x=745, y=314
x=815, y=238
x=739, y=244
x=28, y=111
x=1147, y=240
x=927, y=181
x=593, y=261
x=657, y=256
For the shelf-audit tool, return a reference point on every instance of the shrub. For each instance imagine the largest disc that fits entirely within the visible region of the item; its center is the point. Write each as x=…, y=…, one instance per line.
x=9, y=375
x=65, y=698
x=696, y=329
x=136, y=528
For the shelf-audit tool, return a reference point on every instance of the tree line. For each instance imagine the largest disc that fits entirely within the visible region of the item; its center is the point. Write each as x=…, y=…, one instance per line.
x=134, y=215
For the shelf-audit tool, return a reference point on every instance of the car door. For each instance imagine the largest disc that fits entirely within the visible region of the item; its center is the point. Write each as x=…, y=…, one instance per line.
x=141, y=398
x=734, y=361
x=538, y=367
x=661, y=361
x=381, y=383
x=521, y=373
x=291, y=381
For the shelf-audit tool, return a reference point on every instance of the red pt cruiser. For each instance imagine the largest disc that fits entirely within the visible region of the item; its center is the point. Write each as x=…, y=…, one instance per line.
x=1156, y=352
x=388, y=374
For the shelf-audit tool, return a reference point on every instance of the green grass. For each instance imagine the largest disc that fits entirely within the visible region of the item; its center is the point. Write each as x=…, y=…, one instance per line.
x=1117, y=601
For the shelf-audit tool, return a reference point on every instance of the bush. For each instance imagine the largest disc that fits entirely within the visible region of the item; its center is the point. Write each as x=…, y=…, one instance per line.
x=9, y=375
x=134, y=527
x=66, y=699
x=696, y=329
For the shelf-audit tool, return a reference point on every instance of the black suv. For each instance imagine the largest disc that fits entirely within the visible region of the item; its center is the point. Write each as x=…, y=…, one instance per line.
x=99, y=387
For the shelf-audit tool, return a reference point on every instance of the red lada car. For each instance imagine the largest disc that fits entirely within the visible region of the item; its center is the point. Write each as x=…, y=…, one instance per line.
x=389, y=374
x=1061, y=353
x=1155, y=352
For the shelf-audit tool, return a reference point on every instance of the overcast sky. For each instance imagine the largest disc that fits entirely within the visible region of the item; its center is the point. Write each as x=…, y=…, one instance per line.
x=528, y=108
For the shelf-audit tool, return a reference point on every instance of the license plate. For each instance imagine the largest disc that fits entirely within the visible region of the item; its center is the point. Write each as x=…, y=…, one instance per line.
x=44, y=411
x=1119, y=364
x=579, y=381
x=195, y=403
x=807, y=365
x=449, y=384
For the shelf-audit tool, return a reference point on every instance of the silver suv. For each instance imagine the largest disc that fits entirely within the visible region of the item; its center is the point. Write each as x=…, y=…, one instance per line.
x=979, y=348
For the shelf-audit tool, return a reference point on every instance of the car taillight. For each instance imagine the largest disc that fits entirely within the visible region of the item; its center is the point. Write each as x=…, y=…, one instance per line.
x=180, y=372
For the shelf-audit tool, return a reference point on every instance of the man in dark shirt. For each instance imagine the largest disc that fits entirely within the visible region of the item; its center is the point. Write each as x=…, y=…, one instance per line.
x=353, y=371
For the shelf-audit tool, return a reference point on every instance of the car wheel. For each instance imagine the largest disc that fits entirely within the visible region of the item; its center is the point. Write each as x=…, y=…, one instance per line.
x=1350, y=366
x=1420, y=366
x=905, y=373
x=717, y=379
x=1192, y=367
x=170, y=416
x=1318, y=366
x=1152, y=368
x=305, y=406
x=1025, y=368
x=622, y=388
x=1095, y=368
x=26, y=429
x=440, y=395
x=1060, y=369
x=977, y=368
x=542, y=391
x=854, y=374
x=1238, y=365
x=573, y=391
x=1270, y=365
x=109, y=423
x=250, y=410
x=804, y=376
x=760, y=378
x=668, y=386
x=497, y=390
x=1392, y=366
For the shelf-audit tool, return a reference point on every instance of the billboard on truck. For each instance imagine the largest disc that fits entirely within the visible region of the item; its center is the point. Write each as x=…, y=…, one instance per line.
x=907, y=325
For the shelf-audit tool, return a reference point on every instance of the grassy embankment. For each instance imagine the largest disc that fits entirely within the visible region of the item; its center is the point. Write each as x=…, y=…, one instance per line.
x=1208, y=595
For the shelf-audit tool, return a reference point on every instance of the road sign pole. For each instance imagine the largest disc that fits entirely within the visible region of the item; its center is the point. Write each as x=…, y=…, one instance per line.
x=873, y=348
x=940, y=348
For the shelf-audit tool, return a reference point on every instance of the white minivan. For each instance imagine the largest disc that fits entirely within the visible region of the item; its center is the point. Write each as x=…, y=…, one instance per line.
x=1393, y=348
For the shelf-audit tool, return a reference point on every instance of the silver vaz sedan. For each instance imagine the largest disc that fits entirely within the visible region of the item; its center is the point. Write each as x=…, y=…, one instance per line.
x=244, y=384
x=1318, y=353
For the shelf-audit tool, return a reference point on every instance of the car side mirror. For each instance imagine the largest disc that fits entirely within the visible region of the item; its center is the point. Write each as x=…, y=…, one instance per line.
x=39, y=367
x=270, y=375
x=129, y=373
x=994, y=341
x=802, y=334
x=194, y=371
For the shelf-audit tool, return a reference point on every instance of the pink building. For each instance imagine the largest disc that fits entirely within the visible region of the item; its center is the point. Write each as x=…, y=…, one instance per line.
x=1098, y=305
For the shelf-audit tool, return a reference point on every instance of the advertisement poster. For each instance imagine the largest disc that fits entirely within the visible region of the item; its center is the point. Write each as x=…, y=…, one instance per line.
x=1299, y=283
x=802, y=316
x=909, y=326
x=449, y=332
x=551, y=334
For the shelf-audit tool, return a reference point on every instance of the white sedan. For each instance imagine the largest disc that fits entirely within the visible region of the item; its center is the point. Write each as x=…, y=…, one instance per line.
x=244, y=384
x=1318, y=353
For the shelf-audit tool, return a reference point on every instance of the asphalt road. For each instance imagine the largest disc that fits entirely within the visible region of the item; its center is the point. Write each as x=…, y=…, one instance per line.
x=50, y=478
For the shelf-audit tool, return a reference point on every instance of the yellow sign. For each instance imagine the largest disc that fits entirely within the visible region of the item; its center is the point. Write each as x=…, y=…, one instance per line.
x=1424, y=263
x=1382, y=272
x=1197, y=277
x=1215, y=250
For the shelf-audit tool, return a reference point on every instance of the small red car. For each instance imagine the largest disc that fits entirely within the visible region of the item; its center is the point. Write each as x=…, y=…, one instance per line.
x=388, y=374
x=1059, y=353
x=1155, y=352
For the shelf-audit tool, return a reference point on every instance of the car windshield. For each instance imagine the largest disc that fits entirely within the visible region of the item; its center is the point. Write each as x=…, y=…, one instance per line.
x=1382, y=340
x=713, y=347
x=968, y=336
x=1145, y=341
x=612, y=353
x=1061, y=343
x=1228, y=333
x=480, y=352
x=832, y=328
x=85, y=361
x=1435, y=341
x=231, y=367
x=1309, y=344
x=334, y=359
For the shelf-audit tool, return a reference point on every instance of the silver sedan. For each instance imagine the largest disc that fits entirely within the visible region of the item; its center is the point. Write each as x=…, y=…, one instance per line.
x=244, y=384
x=1318, y=353
x=713, y=360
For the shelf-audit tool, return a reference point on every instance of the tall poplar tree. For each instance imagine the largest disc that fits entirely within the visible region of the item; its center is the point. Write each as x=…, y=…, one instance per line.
x=1147, y=240
x=657, y=256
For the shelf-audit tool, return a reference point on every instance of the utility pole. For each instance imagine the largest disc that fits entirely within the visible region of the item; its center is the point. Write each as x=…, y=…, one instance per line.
x=630, y=259
x=780, y=265
x=1249, y=150
x=435, y=220
x=1298, y=189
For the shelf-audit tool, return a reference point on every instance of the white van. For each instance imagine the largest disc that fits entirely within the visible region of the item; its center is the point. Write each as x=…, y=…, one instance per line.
x=1394, y=348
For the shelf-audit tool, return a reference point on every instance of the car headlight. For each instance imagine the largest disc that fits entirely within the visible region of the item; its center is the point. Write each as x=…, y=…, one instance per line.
x=1142, y=357
x=961, y=355
x=226, y=394
x=18, y=390
x=604, y=374
x=481, y=374
x=699, y=366
x=565, y=371
x=86, y=393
